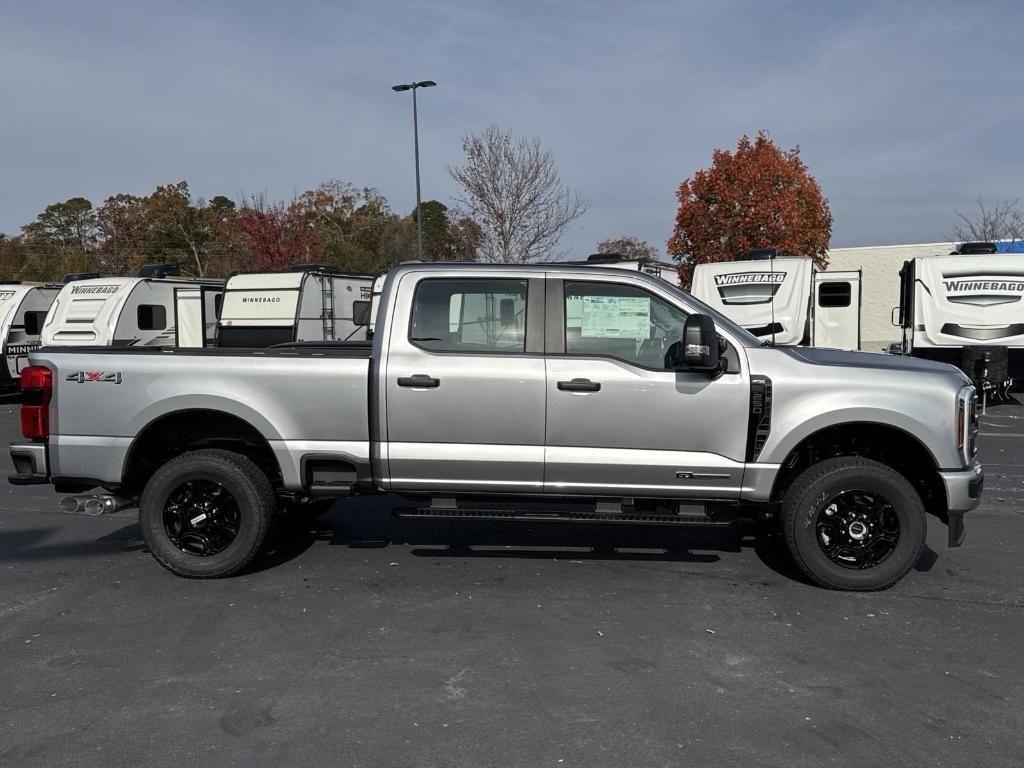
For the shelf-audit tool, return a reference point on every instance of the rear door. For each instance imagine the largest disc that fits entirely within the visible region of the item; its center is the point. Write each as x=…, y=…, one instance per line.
x=837, y=310
x=465, y=383
x=620, y=422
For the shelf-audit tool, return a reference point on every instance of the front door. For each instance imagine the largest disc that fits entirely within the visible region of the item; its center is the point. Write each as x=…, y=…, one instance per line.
x=465, y=384
x=619, y=421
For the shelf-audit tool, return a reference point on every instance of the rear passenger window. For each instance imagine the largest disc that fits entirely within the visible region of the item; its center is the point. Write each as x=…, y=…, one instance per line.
x=471, y=315
x=833, y=294
x=152, y=317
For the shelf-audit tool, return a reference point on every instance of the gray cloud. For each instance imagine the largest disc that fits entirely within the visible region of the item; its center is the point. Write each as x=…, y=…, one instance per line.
x=903, y=113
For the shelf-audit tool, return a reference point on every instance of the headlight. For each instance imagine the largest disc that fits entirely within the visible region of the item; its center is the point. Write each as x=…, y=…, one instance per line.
x=967, y=423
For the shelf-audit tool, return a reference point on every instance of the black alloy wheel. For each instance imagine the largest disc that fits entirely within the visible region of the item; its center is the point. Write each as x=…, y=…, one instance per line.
x=857, y=529
x=201, y=517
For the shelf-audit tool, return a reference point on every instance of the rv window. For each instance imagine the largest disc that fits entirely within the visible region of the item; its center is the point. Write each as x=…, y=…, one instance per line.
x=465, y=315
x=621, y=321
x=360, y=313
x=833, y=294
x=218, y=302
x=34, y=322
x=152, y=317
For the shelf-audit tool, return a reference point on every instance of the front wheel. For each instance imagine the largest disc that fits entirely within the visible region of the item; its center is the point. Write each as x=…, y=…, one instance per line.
x=853, y=524
x=206, y=514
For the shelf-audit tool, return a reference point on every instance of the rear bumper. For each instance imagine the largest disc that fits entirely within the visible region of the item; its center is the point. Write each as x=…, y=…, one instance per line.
x=31, y=464
x=963, y=493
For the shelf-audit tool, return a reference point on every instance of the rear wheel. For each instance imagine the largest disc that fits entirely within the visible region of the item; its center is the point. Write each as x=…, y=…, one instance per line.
x=206, y=514
x=853, y=524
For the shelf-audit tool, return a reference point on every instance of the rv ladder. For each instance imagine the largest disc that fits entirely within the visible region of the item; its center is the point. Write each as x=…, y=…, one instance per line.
x=327, y=290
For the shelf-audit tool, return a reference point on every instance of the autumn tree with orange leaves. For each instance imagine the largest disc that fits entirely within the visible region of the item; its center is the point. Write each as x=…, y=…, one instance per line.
x=756, y=197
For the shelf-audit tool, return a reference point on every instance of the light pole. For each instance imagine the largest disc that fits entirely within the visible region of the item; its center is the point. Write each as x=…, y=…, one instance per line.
x=416, y=144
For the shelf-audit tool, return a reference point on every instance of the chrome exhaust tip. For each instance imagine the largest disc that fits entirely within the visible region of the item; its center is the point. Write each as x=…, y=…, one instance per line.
x=94, y=506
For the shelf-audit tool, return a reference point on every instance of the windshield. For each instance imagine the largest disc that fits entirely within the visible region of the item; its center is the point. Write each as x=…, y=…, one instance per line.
x=743, y=336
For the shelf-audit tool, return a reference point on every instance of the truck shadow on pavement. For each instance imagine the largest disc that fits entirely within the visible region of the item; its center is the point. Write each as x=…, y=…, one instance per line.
x=371, y=524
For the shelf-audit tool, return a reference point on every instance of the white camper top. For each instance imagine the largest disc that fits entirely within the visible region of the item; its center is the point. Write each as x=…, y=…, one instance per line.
x=273, y=298
x=12, y=296
x=743, y=292
x=969, y=300
x=262, y=298
x=89, y=312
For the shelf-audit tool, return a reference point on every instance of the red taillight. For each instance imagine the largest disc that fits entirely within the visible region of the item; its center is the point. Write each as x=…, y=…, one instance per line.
x=36, y=388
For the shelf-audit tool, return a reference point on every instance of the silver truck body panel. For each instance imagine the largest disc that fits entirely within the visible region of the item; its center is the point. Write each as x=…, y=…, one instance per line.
x=819, y=388
x=443, y=438
x=291, y=400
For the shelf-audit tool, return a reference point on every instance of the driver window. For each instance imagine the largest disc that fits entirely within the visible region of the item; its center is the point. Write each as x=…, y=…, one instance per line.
x=620, y=321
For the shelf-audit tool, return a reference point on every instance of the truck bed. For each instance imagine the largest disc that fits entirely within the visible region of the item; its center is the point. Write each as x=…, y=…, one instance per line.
x=303, y=399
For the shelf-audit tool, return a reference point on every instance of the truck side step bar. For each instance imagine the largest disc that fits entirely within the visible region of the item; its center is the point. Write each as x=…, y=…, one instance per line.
x=517, y=515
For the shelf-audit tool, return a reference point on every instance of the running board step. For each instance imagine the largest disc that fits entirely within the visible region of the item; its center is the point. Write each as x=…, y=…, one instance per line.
x=632, y=518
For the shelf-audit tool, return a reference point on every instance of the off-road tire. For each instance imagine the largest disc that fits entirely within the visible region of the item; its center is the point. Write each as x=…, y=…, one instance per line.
x=821, y=482
x=257, y=506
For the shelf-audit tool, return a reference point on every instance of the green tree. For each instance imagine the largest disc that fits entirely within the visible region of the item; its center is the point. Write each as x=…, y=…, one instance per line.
x=180, y=231
x=123, y=226
x=633, y=247
x=70, y=225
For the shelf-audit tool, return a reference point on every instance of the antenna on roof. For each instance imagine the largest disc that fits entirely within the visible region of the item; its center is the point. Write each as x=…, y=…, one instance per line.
x=767, y=253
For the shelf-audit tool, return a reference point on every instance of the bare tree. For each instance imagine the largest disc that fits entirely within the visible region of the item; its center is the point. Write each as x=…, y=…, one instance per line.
x=511, y=188
x=633, y=247
x=1002, y=221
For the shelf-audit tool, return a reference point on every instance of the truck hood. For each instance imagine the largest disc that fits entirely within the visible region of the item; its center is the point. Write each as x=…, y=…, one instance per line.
x=843, y=358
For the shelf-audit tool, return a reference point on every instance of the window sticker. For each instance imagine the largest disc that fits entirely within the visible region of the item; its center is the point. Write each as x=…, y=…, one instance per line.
x=618, y=317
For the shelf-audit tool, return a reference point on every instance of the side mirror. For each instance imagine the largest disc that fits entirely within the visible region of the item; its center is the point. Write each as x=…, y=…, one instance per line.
x=700, y=344
x=360, y=313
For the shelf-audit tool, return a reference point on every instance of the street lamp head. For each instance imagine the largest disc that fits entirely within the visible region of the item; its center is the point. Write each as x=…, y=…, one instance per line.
x=424, y=84
x=401, y=87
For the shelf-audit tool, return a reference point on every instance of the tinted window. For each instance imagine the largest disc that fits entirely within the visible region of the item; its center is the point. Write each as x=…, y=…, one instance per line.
x=469, y=315
x=360, y=313
x=606, y=319
x=833, y=294
x=152, y=317
x=34, y=322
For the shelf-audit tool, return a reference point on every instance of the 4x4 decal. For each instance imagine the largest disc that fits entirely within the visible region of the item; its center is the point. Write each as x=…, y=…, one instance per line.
x=82, y=377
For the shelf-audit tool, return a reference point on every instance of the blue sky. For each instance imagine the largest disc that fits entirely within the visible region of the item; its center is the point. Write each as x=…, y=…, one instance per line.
x=903, y=111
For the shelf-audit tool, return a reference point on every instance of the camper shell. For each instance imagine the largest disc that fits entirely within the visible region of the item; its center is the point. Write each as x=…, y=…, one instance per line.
x=23, y=309
x=965, y=309
x=305, y=303
x=786, y=299
x=159, y=311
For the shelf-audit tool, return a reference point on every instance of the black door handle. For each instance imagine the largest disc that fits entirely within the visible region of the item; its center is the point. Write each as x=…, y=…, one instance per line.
x=579, y=385
x=419, y=380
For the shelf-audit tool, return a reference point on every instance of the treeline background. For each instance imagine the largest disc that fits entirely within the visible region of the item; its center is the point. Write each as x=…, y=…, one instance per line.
x=337, y=223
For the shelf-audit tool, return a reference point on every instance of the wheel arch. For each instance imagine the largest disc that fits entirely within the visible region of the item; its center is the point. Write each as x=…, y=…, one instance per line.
x=885, y=443
x=175, y=432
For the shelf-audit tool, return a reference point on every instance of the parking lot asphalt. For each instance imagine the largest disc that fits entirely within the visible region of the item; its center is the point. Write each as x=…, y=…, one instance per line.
x=370, y=641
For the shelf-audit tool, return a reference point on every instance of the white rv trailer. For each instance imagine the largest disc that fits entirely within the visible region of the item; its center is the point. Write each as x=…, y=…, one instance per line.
x=309, y=302
x=964, y=307
x=134, y=311
x=23, y=308
x=786, y=299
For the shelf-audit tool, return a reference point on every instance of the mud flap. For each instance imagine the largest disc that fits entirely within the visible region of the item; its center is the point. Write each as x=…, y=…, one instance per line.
x=955, y=522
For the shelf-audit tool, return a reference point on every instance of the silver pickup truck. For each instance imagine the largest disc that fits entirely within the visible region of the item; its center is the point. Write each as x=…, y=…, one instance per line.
x=533, y=392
